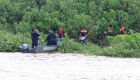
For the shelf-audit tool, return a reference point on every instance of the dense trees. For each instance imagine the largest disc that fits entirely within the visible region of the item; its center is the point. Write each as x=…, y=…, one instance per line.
x=24, y=15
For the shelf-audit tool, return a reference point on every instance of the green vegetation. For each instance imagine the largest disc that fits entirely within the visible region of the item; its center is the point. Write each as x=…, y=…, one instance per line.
x=123, y=46
x=24, y=15
x=120, y=46
x=19, y=17
x=71, y=46
x=10, y=42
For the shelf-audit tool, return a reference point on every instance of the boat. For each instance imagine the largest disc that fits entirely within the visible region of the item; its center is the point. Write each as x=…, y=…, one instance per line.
x=43, y=49
x=26, y=48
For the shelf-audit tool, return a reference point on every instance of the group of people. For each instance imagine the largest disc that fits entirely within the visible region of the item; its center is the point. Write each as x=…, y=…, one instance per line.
x=123, y=30
x=51, y=38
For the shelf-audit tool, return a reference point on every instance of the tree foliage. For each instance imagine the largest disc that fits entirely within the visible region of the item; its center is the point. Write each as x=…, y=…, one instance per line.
x=24, y=15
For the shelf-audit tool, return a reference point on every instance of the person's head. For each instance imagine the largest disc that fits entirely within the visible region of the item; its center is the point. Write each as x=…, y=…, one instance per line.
x=50, y=30
x=36, y=30
x=61, y=28
x=83, y=28
x=123, y=26
x=109, y=26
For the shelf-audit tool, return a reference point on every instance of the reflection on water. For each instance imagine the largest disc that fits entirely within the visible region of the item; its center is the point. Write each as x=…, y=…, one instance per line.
x=20, y=66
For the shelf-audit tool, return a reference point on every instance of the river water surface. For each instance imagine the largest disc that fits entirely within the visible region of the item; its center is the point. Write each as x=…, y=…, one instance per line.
x=20, y=66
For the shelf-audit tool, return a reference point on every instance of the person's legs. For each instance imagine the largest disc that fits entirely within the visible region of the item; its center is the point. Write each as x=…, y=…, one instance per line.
x=106, y=42
x=33, y=44
x=51, y=43
x=54, y=42
x=84, y=41
x=48, y=43
x=59, y=40
x=36, y=43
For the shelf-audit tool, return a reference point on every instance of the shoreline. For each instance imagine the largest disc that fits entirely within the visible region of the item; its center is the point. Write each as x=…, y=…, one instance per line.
x=74, y=54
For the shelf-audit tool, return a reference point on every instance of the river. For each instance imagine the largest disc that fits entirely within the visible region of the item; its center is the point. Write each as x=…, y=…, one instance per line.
x=21, y=66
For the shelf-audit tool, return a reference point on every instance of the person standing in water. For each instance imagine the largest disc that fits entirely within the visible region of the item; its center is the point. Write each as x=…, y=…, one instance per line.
x=83, y=35
x=51, y=38
x=35, y=34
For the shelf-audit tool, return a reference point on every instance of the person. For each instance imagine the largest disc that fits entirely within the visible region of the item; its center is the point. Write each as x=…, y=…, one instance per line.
x=110, y=30
x=134, y=31
x=123, y=30
x=108, y=33
x=35, y=34
x=83, y=35
x=60, y=35
x=51, y=38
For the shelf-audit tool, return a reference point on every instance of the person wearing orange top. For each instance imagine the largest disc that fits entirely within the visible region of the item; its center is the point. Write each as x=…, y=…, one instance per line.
x=83, y=35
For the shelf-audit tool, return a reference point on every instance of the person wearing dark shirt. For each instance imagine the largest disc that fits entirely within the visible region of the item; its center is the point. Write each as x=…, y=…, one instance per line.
x=51, y=38
x=83, y=35
x=35, y=34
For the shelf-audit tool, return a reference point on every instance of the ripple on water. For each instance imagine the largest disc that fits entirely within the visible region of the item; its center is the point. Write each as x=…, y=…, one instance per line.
x=19, y=66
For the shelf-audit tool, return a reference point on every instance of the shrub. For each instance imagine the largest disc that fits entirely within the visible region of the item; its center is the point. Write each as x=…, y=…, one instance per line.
x=123, y=46
x=126, y=41
x=71, y=46
x=10, y=42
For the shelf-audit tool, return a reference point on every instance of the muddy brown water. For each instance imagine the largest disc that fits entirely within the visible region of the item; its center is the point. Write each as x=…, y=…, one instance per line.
x=19, y=66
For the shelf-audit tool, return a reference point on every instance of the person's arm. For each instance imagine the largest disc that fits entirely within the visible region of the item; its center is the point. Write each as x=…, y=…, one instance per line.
x=87, y=34
x=48, y=37
x=31, y=35
x=80, y=35
x=125, y=31
x=55, y=36
x=38, y=33
x=63, y=34
x=111, y=30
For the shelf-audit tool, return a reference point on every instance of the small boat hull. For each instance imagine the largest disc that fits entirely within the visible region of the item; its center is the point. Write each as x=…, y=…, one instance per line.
x=43, y=49
x=26, y=48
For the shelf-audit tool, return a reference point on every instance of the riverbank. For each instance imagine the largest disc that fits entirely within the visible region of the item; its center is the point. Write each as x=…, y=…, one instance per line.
x=119, y=46
x=19, y=66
